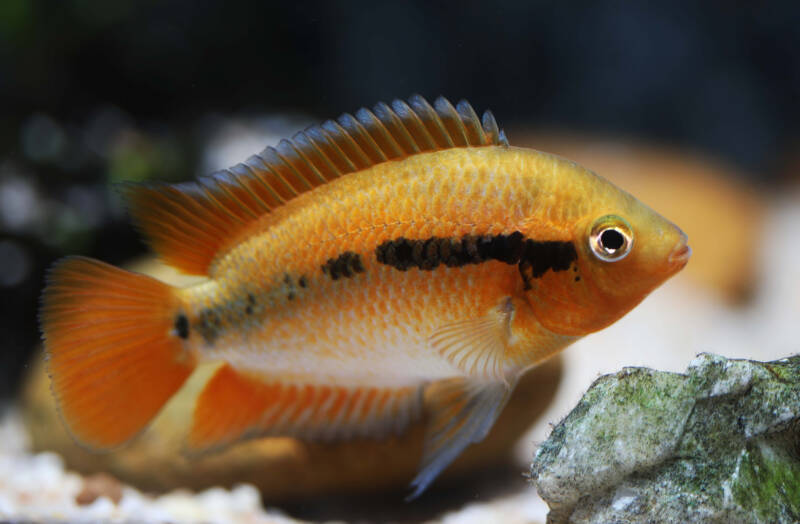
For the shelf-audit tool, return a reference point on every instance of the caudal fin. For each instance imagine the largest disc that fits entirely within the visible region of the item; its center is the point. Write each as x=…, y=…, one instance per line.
x=114, y=349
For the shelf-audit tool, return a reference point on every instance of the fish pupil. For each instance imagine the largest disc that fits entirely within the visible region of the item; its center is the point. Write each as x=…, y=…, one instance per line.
x=611, y=240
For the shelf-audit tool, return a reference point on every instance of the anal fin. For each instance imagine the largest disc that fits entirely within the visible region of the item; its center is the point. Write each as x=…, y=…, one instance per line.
x=235, y=405
x=461, y=412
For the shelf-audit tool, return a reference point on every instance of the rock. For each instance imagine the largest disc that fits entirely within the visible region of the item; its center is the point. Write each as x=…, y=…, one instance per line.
x=720, y=443
x=281, y=468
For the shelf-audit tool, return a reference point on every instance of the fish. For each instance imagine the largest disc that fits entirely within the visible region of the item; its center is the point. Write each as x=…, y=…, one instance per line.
x=404, y=263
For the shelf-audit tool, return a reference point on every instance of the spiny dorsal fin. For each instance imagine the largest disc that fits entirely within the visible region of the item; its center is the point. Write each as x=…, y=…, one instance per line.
x=190, y=224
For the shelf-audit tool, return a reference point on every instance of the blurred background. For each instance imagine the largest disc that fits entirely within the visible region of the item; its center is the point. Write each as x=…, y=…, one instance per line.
x=97, y=92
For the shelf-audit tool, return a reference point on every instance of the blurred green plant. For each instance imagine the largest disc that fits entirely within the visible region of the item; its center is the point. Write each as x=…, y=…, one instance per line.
x=136, y=157
x=16, y=18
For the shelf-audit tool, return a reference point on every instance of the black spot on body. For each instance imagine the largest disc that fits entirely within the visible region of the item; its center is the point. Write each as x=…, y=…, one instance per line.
x=418, y=254
x=458, y=252
x=430, y=254
x=403, y=251
x=505, y=248
x=357, y=265
x=209, y=325
x=346, y=265
x=534, y=257
x=302, y=281
x=182, y=326
x=210, y=318
x=250, y=305
x=290, y=287
x=327, y=268
x=398, y=254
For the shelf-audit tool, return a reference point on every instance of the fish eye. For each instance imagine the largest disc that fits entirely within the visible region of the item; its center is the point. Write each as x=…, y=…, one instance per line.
x=611, y=238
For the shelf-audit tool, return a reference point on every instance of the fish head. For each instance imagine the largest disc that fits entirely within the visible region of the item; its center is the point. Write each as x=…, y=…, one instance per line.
x=623, y=250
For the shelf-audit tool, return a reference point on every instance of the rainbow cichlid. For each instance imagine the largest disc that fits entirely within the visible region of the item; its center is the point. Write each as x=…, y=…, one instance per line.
x=402, y=262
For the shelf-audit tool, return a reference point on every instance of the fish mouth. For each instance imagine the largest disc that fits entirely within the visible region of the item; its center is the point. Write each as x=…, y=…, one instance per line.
x=680, y=255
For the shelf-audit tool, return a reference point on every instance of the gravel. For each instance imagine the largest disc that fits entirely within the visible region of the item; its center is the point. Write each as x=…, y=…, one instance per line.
x=36, y=487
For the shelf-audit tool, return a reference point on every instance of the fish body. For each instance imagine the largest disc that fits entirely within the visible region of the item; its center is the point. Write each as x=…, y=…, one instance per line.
x=374, y=269
x=373, y=320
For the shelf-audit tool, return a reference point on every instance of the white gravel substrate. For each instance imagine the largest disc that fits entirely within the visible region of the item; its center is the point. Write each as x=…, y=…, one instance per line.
x=36, y=487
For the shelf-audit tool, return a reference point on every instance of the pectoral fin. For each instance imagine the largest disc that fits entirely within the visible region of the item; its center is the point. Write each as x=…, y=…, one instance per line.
x=461, y=412
x=477, y=346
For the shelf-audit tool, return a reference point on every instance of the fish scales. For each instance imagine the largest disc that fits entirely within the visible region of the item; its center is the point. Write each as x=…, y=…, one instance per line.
x=267, y=257
x=483, y=177
x=373, y=269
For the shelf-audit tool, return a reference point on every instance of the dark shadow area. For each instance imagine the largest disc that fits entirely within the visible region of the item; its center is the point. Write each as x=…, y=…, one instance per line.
x=440, y=498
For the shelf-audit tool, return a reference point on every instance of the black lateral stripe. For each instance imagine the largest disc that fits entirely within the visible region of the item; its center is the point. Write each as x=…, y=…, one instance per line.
x=541, y=256
x=534, y=257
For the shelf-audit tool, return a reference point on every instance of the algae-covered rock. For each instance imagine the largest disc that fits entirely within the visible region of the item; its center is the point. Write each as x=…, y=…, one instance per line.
x=720, y=443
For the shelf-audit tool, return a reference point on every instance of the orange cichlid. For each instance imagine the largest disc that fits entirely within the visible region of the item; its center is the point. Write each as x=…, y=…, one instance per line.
x=403, y=262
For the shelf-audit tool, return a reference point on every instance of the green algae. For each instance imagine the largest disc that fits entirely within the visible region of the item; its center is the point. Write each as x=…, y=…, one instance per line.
x=767, y=480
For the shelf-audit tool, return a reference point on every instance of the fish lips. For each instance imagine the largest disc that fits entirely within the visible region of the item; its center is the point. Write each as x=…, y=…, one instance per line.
x=680, y=255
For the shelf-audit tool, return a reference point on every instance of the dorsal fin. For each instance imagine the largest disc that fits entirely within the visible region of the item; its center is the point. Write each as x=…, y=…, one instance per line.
x=190, y=224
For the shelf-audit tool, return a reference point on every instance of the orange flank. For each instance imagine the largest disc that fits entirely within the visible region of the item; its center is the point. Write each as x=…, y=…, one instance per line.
x=401, y=261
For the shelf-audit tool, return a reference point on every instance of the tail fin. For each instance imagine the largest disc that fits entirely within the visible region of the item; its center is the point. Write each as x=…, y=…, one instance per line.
x=114, y=349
